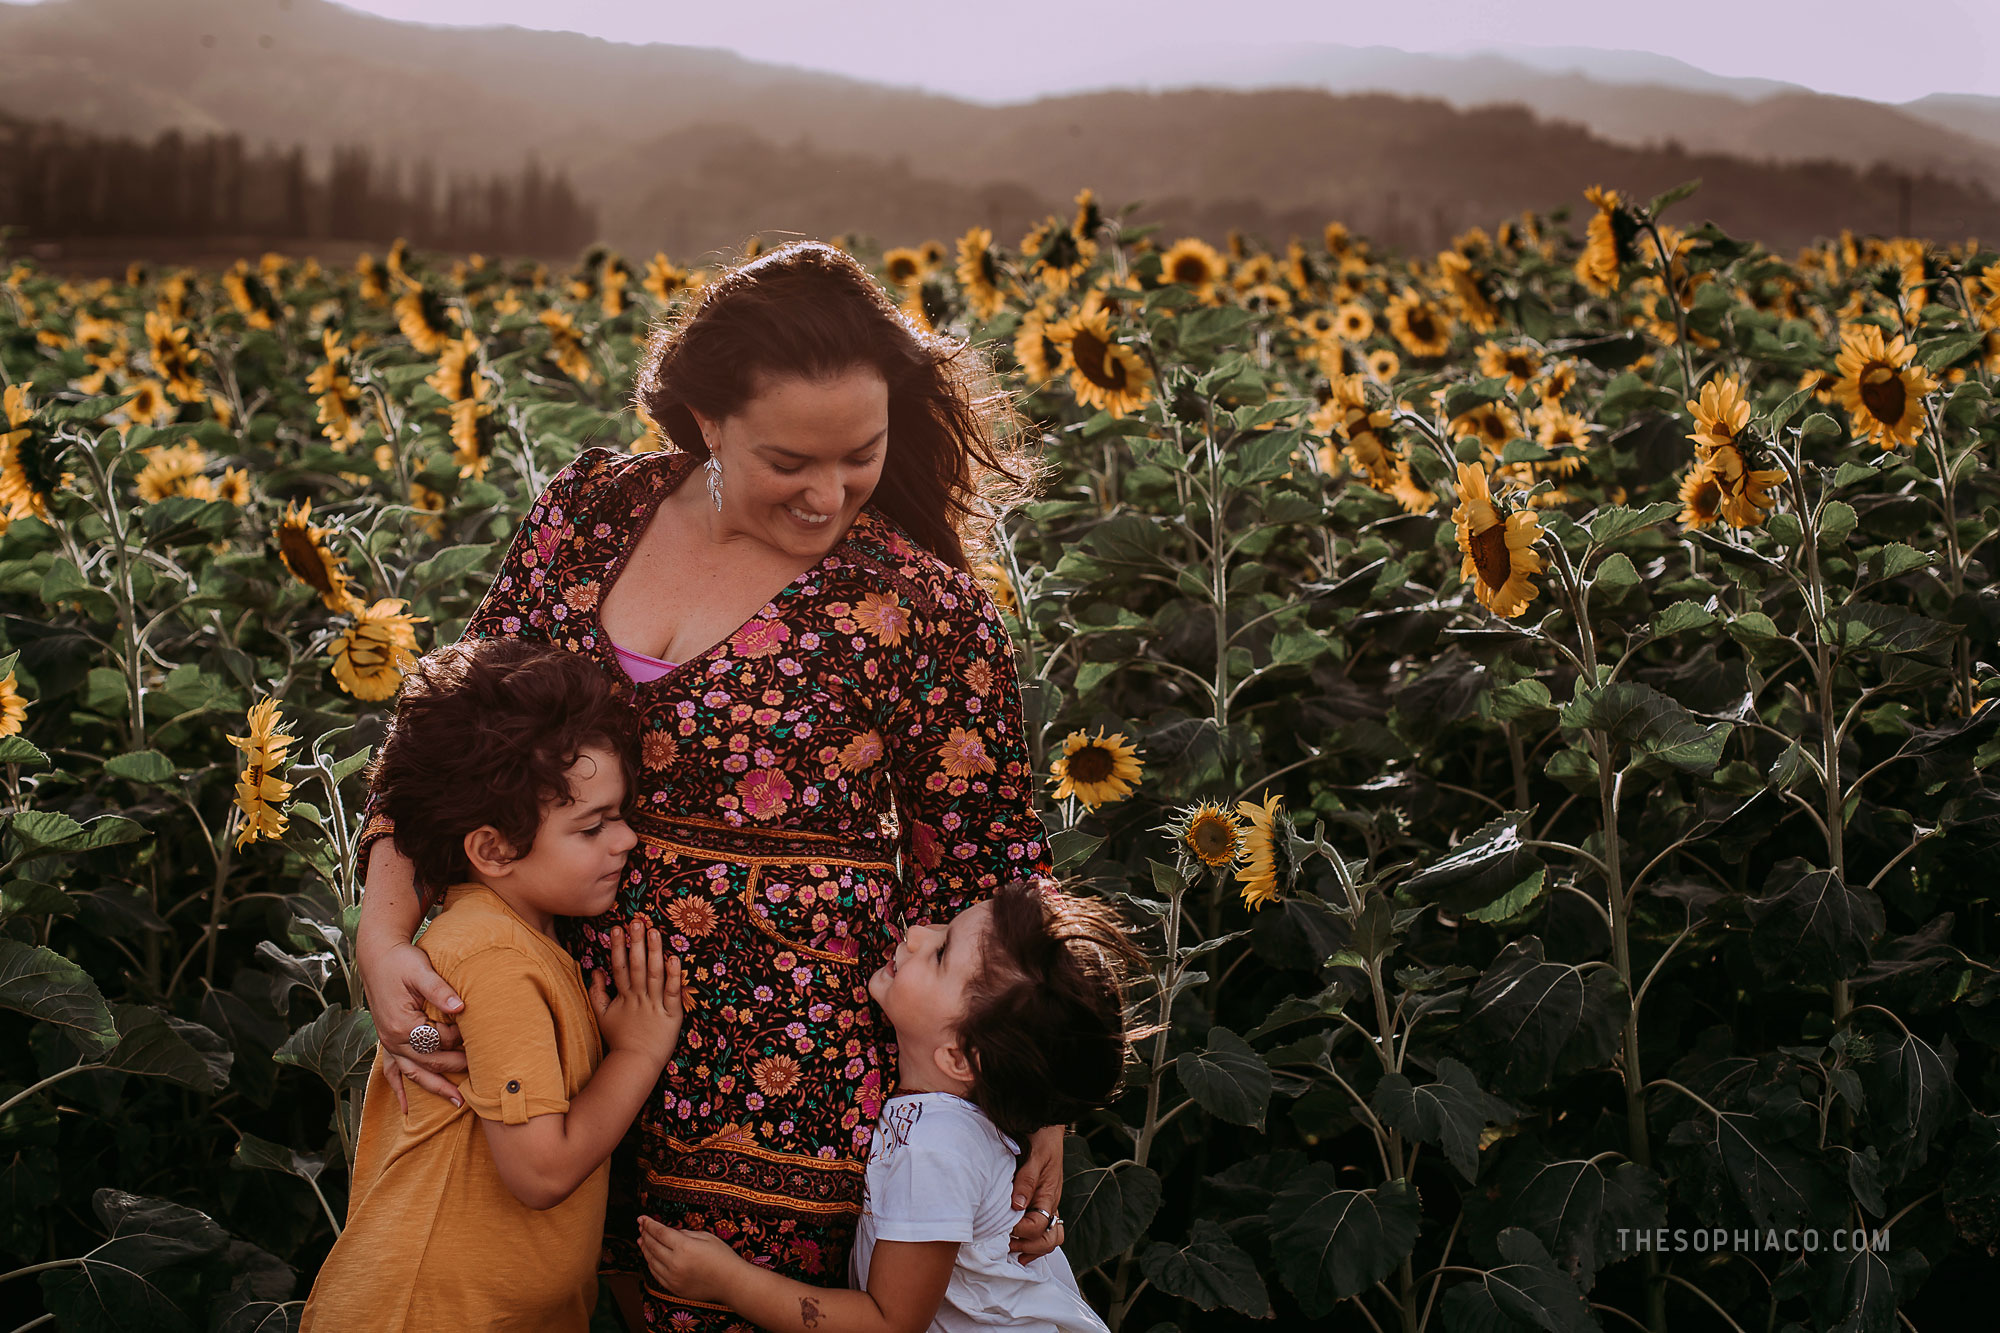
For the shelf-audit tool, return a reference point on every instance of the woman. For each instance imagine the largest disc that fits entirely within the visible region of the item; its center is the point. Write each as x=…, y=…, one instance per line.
x=831, y=733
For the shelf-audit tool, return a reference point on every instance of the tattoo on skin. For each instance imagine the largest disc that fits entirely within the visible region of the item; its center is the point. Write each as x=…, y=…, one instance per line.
x=808, y=1312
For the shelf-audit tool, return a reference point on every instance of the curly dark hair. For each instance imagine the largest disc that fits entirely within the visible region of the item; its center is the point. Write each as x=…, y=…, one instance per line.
x=485, y=733
x=809, y=310
x=1044, y=1026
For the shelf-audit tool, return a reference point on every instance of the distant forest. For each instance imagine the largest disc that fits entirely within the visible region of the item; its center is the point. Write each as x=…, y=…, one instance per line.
x=58, y=184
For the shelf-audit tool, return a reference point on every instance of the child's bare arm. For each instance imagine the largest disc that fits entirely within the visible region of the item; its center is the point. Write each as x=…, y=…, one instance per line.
x=544, y=1159
x=906, y=1283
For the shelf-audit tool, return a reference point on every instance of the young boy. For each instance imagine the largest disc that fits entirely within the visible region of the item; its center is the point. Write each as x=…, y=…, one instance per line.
x=1007, y=1019
x=506, y=775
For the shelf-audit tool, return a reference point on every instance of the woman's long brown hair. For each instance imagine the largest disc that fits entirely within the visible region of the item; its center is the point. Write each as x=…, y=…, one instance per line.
x=808, y=310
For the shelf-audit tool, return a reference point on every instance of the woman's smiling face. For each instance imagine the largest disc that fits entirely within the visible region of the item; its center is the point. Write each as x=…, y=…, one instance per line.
x=801, y=457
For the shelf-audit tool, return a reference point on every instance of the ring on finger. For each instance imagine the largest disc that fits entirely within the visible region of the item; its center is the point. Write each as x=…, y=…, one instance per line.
x=425, y=1039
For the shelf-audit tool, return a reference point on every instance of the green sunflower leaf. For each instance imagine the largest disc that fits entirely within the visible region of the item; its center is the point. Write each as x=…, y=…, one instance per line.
x=1331, y=1243
x=1228, y=1079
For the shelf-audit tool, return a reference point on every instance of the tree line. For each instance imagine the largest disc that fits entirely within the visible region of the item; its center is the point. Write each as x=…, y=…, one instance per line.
x=58, y=184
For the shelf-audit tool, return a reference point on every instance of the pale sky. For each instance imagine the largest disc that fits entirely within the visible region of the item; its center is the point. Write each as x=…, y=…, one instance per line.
x=1887, y=50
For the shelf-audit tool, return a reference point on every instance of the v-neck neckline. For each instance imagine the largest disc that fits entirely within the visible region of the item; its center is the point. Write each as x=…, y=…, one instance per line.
x=686, y=464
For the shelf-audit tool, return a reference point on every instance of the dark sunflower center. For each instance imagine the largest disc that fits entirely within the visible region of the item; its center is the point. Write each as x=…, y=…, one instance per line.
x=1210, y=836
x=302, y=555
x=1489, y=556
x=901, y=271
x=1093, y=763
x=1706, y=501
x=1422, y=327
x=1519, y=365
x=1883, y=394
x=1095, y=362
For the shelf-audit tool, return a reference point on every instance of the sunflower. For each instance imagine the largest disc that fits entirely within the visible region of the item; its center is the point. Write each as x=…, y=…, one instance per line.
x=457, y=376
x=1516, y=365
x=149, y=405
x=472, y=434
x=1059, y=255
x=13, y=708
x=1089, y=216
x=1422, y=328
x=173, y=360
x=28, y=473
x=1493, y=425
x=370, y=657
x=978, y=273
x=1338, y=239
x=1267, y=298
x=421, y=314
x=1252, y=270
x=1608, y=241
x=1468, y=288
x=1097, y=770
x=1316, y=326
x=1562, y=432
x=663, y=277
x=1193, y=264
x=1746, y=492
x=1103, y=373
x=566, y=347
x=1555, y=385
x=304, y=550
x=234, y=486
x=1701, y=497
x=1209, y=834
x=339, y=400
x=902, y=267
x=1036, y=346
x=616, y=277
x=259, y=790
x=1354, y=322
x=1720, y=415
x=429, y=505
x=992, y=576
x=1261, y=852
x=251, y=297
x=1882, y=392
x=172, y=470
x=1384, y=364
x=1499, y=554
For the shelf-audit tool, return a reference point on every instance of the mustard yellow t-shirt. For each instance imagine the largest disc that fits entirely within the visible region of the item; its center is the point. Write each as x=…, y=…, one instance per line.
x=434, y=1239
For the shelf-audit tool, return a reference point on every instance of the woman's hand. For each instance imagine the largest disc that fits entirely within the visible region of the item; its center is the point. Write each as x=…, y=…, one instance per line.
x=1038, y=1188
x=693, y=1265
x=399, y=980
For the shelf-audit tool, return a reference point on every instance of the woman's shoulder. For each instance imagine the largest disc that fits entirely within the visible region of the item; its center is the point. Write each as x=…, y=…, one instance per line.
x=599, y=478
x=885, y=557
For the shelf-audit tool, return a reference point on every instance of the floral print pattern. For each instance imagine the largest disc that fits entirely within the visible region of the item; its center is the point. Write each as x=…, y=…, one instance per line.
x=847, y=762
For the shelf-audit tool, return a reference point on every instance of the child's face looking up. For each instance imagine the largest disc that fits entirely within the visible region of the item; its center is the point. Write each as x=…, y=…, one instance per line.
x=578, y=856
x=923, y=990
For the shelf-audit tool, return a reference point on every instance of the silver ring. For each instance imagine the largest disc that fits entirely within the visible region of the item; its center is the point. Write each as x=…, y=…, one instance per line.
x=425, y=1039
x=1044, y=1212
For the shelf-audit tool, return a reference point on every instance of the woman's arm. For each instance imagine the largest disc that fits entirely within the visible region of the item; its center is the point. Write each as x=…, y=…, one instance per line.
x=906, y=1284
x=399, y=980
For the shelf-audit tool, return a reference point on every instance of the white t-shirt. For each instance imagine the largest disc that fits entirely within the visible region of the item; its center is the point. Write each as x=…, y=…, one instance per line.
x=938, y=1169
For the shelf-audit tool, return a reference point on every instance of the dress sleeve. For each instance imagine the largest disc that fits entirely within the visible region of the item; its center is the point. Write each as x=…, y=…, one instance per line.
x=517, y=601
x=965, y=792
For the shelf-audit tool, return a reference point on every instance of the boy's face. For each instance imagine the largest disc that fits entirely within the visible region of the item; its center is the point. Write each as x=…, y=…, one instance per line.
x=579, y=853
x=923, y=988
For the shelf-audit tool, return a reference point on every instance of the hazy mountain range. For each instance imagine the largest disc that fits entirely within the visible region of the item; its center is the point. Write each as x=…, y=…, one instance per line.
x=688, y=148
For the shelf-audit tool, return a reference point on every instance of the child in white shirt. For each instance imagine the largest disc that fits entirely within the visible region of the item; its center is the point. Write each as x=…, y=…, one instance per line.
x=1009, y=1018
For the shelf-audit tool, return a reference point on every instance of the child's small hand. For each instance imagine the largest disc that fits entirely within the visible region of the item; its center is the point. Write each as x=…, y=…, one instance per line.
x=646, y=1016
x=694, y=1265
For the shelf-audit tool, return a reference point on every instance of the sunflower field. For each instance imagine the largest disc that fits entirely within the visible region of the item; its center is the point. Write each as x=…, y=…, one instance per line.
x=1535, y=703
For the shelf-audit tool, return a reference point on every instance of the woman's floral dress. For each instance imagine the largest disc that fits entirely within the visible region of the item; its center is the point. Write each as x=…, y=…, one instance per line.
x=849, y=761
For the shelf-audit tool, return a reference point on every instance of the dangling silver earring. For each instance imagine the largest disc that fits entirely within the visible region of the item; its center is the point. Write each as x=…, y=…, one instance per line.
x=713, y=467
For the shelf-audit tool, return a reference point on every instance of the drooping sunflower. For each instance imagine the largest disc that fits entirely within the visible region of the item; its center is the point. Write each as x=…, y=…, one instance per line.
x=1747, y=492
x=173, y=360
x=1057, y=256
x=252, y=297
x=174, y=469
x=566, y=347
x=339, y=400
x=1468, y=289
x=1097, y=770
x=1721, y=414
x=259, y=790
x=1880, y=388
x=1608, y=241
x=29, y=470
x=304, y=550
x=1701, y=497
x=1089, y=215
x=1194, y=264
x=1261, y=853
x=370, y=656
x=1036, y=346
x=457, y=376
x=472, y=437
x=1209, y=834
x=1103, y=372
x=1421, y=327
x=1499, y=548
x=422, y=315
x=13, y=708
x=978, y=273
x=1516, y=365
